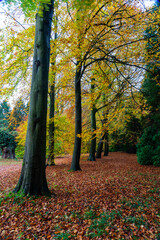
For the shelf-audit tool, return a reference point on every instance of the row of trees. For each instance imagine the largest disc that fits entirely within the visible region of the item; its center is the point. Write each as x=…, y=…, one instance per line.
x=99, y=44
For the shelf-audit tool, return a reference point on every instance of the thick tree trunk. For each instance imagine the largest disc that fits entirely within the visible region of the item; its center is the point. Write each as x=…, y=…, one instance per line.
x=75, y=165
x=8, y=152
x=93, y=128
x=51, y=161
x=100, y=147
x=33, y=177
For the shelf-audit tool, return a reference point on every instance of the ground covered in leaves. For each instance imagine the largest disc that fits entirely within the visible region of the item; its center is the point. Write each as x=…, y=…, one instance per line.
x=112, y=198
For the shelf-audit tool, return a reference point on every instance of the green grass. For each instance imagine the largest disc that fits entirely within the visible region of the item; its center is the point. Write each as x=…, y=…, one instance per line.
x=4, y=162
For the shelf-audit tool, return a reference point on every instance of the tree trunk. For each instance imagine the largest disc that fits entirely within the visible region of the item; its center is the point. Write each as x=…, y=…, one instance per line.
x=33, y=177
x=93, y=140
x=105, y=134
x=12, y=153
x=75, y=165
x=100, y=147
x=93, y=127
x=51, y=161
x=8, y=152
x=106, y=144
x=104, y=122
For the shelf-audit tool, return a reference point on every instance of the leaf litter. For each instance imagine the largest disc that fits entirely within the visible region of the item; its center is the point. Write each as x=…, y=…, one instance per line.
x=112, y=198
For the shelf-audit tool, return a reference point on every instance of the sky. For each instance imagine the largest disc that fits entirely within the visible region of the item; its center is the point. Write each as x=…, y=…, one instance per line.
x=147, y=3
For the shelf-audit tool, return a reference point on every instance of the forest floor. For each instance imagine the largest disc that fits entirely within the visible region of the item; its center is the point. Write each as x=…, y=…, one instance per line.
x=112, y=198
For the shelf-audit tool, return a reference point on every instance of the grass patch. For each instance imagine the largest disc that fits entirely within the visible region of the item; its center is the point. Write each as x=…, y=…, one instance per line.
x=17, y=198
x=4, y=162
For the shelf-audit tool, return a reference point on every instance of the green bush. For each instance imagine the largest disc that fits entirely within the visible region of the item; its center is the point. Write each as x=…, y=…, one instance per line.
x=19, y=152
x=145, y=155
x=156, y=157
x=148, y=149
x=7, y=139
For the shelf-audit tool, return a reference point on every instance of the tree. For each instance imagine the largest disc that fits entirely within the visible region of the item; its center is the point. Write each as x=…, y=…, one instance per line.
x=7, y=144
x=17, y=50
x=104, y=143
x=33, y=178
x=75, y=165
x=7, y=137
x=93, y=123
x=50, y=160
x=126, y=135
x=106, y=139
x=4, y=115
x=104, y=33
x=18, y=113
x=149, y=144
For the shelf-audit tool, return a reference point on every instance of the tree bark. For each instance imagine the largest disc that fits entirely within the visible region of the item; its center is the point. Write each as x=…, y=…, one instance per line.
x=93, y=140
x=106, y=144
x=75, y=165
x=104, y=137
x=100, y=147
x=33, y=177
x=51, y=161
x=8, y=152
x=93, y=127
x=104, y=122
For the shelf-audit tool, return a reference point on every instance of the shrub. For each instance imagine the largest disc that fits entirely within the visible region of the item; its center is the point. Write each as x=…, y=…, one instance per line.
x=156, y=157
x=148, y=149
